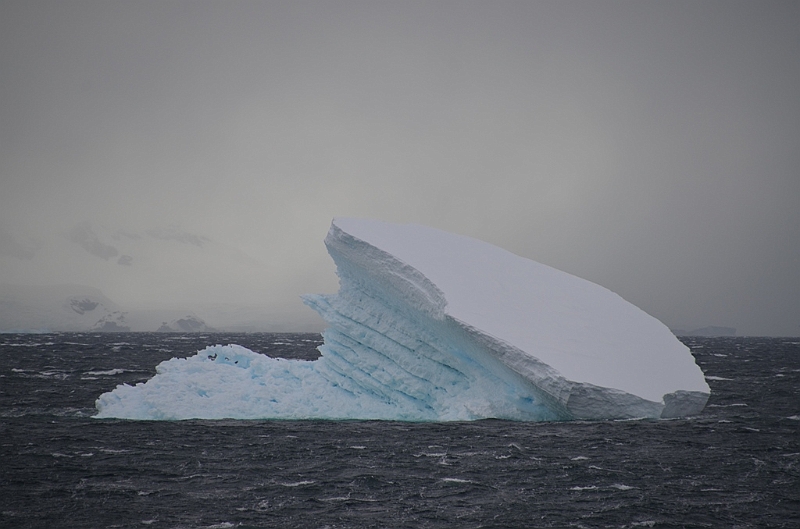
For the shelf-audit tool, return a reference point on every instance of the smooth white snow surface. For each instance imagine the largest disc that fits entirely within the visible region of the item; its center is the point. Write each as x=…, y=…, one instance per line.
x=433, y=326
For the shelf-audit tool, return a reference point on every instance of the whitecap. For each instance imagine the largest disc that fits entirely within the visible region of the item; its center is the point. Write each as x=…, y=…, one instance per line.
x=107, y=372
x=457, y=480
x=336, y=498
x=52, y=374
x=298, y=483
x=620, y=486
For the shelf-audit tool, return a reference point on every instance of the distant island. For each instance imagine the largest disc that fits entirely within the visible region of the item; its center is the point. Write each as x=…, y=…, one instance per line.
x=80, y=308
x=710, y=331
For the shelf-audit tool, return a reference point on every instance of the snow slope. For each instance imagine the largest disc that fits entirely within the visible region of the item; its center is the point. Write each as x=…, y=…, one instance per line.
x=433, y=326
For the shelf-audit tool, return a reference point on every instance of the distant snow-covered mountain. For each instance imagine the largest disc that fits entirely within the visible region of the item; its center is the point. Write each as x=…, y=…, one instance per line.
x=155, y=275
x=77, y=308
x=53, y=308
x=189, y=323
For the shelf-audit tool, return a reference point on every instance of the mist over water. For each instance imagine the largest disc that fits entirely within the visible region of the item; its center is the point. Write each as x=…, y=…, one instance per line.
x=191, y=153
x=734, y=465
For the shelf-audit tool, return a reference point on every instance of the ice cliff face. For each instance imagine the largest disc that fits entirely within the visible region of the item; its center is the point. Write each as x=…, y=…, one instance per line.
x=549, y=345
x=430, y=326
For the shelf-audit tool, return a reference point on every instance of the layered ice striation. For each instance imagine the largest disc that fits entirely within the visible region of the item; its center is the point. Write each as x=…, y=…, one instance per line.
x=431, y=326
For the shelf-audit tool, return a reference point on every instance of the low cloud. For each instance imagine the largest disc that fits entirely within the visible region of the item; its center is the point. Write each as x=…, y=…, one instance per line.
x=86, y=238
x=173, y=233
x=11, y=246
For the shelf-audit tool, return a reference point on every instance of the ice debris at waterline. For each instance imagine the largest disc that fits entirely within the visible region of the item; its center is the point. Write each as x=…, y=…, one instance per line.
x=430, y=326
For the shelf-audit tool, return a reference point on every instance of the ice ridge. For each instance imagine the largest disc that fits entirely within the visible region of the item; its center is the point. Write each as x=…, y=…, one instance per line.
x=430, y=326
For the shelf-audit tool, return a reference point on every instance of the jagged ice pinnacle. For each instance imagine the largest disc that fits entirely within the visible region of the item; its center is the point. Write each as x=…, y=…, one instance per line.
x=431, y=326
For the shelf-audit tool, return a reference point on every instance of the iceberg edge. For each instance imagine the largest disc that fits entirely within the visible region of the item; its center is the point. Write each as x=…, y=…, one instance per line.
x=430, y=326
x=401, y=288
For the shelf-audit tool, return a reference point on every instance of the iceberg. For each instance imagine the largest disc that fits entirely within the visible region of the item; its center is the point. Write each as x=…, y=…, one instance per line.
x=432, y=326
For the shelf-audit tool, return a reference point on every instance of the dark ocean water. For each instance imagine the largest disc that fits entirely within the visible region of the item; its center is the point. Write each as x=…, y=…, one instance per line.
x=736, y=465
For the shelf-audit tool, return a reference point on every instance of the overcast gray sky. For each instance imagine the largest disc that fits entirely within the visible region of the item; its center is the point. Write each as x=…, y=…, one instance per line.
x=650, y=147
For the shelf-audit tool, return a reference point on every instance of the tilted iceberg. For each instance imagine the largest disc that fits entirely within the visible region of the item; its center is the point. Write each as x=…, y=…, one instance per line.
x=430, y=326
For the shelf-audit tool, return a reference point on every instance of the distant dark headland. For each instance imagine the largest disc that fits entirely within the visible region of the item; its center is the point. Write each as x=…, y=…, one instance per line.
x=709, y=331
